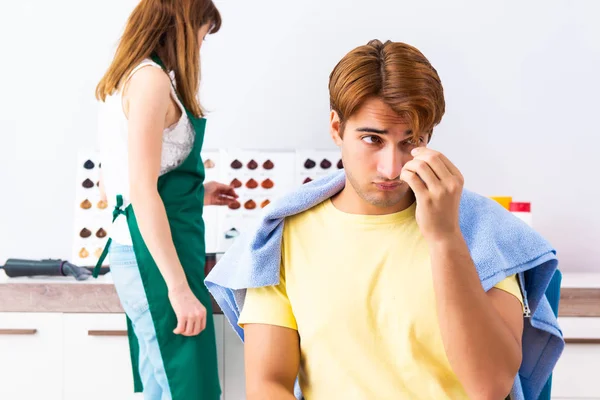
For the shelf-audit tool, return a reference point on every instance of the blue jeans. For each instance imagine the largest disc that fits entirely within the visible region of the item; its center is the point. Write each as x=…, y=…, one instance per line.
x=128, y=283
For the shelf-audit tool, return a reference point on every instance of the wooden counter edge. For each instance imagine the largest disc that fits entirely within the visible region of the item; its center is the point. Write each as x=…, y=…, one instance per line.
x=102, y=298
x=63, y=298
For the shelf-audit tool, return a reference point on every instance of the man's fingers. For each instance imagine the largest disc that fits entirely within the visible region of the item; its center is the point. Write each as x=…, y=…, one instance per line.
x=415, y=183
x=425, y=152
x=424, y=171
x=436, y=164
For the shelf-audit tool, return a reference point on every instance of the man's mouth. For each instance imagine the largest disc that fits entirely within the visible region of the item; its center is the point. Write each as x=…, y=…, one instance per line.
x=387, y=185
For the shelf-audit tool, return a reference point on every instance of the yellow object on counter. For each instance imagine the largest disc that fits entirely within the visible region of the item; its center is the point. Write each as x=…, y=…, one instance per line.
x=503, y=200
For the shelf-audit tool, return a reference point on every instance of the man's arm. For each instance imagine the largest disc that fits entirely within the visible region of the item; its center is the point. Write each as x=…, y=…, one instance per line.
x=272, y=360
x=272, y=344
x=481, y=331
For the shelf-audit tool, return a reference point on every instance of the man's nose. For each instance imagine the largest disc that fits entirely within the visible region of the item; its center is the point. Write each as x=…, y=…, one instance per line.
x=390, y=163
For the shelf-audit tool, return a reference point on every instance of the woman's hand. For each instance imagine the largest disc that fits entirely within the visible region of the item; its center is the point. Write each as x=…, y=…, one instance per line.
x=218, y=194
x=191, y=314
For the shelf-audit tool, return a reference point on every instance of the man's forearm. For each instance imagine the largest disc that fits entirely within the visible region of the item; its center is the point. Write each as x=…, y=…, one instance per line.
x=481, y=349
x=270, y=391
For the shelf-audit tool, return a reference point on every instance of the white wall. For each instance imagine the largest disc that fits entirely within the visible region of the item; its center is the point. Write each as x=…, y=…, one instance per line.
x=521, y=82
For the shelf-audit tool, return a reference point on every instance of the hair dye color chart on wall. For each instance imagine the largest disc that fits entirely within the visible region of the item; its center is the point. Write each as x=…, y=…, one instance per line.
x=92, y=216
x=258, y=178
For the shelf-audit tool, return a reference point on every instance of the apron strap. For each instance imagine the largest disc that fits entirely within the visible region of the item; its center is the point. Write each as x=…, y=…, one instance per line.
x=102, y=258
x=118, y=210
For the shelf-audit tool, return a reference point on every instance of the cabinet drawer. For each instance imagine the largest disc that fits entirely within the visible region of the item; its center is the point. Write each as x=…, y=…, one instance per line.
x=97, y=364
x=31, y=349
x=576, y=373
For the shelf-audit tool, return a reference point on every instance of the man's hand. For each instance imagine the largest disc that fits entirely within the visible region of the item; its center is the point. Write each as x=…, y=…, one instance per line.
x=218, y=194
x=437, y=185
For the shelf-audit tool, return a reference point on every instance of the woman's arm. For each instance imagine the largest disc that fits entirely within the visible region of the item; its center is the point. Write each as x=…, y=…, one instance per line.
x=147, y=100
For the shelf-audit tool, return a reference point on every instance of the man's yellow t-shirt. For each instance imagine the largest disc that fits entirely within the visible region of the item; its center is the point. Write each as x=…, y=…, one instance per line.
x=359, y=290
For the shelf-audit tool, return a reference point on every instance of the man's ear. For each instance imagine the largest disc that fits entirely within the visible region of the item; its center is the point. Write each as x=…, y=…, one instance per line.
x=335, y=128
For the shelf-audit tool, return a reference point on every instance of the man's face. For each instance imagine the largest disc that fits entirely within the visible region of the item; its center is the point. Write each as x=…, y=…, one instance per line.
x=375, y=144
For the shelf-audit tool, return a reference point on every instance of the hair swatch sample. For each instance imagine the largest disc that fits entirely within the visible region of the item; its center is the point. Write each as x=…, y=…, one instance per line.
x=236, y=183
x=102, y=204
x=208, y=164
x=89, y=164
x=309, y=164
x=230, y=234
x=101, y=233
x=83, y=253
x=85, y=233
x=325, y=164
x=235, y=205
x=252, y=164
x=251, y=184
x=265, y=203
x=86, y=204
x=267, y=184
x=236, y=164
x=87, y=184
x=250, y=205
x=268, y=164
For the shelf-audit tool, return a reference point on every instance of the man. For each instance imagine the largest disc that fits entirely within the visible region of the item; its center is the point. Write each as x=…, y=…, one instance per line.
x=378, y=296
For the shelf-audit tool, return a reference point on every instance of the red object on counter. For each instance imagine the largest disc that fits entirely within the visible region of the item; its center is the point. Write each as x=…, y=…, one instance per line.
x=520, y=207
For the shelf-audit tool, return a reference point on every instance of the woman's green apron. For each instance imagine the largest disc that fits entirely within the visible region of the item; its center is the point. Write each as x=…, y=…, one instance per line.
x=190, y=362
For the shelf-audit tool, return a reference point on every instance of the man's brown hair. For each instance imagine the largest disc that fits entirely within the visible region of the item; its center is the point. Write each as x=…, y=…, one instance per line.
x=397, y=73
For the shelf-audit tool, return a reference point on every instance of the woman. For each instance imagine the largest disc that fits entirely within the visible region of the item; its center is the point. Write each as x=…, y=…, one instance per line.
x=151, y=134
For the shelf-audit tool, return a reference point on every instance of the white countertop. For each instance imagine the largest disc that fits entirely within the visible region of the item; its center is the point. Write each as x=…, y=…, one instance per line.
x=588, y=280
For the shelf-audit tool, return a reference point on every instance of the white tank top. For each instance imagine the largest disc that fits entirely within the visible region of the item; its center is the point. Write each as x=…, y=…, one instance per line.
x=178, y=140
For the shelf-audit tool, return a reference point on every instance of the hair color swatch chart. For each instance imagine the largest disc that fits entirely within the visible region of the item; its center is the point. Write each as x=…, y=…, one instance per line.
x=92, y=217
x=258, y=177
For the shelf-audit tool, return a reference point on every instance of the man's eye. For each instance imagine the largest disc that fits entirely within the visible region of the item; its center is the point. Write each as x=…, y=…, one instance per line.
x=371, y=139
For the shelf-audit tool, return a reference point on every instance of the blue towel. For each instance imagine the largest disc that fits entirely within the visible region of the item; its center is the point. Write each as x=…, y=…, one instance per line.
x=501, y=245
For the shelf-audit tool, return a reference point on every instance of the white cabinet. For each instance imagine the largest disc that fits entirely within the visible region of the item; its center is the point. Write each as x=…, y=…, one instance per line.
x=31, y=356
x=86, y=356
x=576, y=375
x=96, y=358
x=97, y=364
